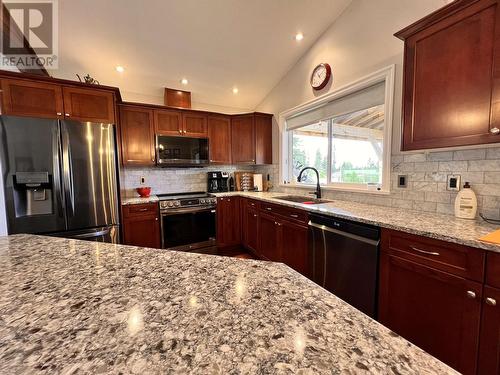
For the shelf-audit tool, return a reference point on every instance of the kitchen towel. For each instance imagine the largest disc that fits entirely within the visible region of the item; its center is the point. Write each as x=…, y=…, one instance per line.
x=493, y=237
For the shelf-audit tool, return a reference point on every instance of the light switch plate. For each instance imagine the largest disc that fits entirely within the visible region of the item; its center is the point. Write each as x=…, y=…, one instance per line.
x=453, y=182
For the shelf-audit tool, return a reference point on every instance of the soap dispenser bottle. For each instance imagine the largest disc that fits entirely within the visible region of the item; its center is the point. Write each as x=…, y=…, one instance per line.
x=466, y=203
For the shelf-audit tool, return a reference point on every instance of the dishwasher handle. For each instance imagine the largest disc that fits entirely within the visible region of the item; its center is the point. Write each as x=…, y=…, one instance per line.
x=345, y=234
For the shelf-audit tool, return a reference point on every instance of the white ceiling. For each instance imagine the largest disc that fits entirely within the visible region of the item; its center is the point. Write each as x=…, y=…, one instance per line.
x=215, y=44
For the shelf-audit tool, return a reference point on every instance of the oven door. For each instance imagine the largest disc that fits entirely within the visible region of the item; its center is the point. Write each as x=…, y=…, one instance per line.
x=189, y=229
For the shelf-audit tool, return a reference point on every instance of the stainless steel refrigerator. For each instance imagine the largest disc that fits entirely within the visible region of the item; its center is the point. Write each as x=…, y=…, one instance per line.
x=60, y=178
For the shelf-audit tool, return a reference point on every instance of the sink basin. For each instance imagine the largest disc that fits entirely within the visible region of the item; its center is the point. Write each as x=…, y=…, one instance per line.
x=303, y=200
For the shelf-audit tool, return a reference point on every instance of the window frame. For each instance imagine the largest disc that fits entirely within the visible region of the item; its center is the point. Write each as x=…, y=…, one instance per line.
x=386, y=76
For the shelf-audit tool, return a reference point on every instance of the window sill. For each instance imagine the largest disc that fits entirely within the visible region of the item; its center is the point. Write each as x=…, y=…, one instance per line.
x=336, y=188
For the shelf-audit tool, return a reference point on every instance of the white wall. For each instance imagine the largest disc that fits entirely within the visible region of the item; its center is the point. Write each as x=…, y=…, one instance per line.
x=358, y=43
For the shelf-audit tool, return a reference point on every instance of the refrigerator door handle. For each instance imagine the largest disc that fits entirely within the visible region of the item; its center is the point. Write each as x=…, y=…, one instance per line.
x=56, y=154
x=68, y=172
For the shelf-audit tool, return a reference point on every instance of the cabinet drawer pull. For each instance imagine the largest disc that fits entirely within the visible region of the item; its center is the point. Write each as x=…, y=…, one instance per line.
x=495, y=131
x=254, y=215
x=491, y=301
x=143, y=209
x=471, y=294
x=294, y=216
x=269, y=208
x=424, y=252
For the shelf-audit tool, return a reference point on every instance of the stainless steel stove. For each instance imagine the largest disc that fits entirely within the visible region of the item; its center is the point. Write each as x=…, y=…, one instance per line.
x=188, y=222
x=181, y=200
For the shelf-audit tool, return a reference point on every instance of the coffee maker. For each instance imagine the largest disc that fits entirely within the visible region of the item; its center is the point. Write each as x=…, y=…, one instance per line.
x=217, y=182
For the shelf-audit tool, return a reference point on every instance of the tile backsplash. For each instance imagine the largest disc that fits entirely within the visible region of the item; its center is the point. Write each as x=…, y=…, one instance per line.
x=171, y=180
x=427, y=174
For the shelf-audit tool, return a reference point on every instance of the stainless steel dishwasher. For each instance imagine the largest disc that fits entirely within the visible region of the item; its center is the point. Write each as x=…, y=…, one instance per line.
x=343, y=258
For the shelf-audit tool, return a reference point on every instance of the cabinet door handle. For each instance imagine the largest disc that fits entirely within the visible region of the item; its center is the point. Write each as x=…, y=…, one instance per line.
x=185, y=132
x=180, y=131
x=59, y=113
x=294, y=216
x=66, y=114
x=424, y=252
x=254, y=215
x=491, y=301
x=495, y=131
x=143, y=209
x=471, y=294
x=156, y=218
x=269, y=208
x=279, y=224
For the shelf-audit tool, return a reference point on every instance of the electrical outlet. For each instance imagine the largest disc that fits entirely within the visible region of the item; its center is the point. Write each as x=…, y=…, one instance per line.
x=402, y=181
x=143, y=180
x=453, y=182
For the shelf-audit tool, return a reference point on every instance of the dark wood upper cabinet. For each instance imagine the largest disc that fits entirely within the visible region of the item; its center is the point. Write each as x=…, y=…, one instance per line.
x=489, y=345
x=141, y=225
x=243, y=139
x=219, y=135
x=451, y=94
x=30, y=98
x=84, y=104
x=263, y=138
x=137, y=135
x=194, y=124
x=168, y=122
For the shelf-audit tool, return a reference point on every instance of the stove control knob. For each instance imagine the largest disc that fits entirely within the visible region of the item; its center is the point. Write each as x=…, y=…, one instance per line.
x=170, y=204
x=177, y=203
x=202, y=201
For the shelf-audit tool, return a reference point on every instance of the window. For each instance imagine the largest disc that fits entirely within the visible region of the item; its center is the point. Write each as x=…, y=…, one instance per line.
x=346, y=138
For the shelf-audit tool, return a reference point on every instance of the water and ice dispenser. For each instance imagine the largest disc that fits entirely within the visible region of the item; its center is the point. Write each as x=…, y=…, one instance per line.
x=32, y=193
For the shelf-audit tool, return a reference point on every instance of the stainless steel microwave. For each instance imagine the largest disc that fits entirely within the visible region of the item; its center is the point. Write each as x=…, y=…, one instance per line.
x=172, y=151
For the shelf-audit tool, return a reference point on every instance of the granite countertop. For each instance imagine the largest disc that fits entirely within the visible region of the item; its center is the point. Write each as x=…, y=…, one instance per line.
x=69, y=307
x=139, y=200
x=439, y=226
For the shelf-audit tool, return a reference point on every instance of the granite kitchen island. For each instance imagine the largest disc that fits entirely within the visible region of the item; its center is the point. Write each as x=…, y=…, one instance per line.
x=74, y=307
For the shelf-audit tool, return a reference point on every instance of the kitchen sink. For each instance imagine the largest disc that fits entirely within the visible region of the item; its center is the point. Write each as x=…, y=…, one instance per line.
x=303, y=200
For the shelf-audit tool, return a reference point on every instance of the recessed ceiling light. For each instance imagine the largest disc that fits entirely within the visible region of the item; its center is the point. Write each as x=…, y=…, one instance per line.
x=299, y=37
x=184, y=81
x=120, y=69
x=235, y=90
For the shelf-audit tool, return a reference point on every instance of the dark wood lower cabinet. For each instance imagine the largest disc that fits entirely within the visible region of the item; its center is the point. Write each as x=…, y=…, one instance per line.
x=228, y=222
x=141, y=225
x=270, y=244
x=250, y=229
x=435, y=310
x=489, y=344
x=294, y=246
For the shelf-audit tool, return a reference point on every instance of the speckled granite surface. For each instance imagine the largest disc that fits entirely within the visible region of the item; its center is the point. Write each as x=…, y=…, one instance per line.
x=439, y=226
x=73, y=307
x=139, y=200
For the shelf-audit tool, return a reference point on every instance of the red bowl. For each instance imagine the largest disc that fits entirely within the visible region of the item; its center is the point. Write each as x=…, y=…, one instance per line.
x=144, y=192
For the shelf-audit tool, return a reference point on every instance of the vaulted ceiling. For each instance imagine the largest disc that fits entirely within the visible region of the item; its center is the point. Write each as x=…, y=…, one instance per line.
x=215, y=44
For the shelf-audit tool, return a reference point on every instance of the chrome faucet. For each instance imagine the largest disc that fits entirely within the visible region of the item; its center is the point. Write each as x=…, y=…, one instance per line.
x=318, y=187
